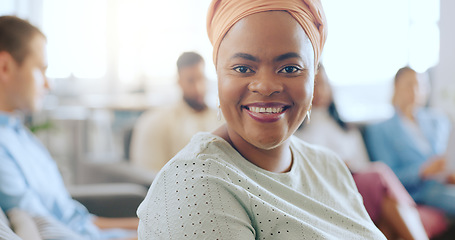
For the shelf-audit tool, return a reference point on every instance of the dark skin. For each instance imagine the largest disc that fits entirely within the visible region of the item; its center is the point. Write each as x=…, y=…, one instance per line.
x=266, y=61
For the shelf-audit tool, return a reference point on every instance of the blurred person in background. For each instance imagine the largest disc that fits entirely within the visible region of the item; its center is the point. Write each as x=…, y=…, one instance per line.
x=29, y=177
x=413, y=143
x=388, y=203
x=160, y=133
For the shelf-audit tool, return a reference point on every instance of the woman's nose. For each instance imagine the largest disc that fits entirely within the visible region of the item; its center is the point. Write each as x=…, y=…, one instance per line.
x=266, y=85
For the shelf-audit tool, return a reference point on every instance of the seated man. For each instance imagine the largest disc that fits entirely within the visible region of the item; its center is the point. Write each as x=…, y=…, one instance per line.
x=413, y=143
x=160, y=134
x=29, y=177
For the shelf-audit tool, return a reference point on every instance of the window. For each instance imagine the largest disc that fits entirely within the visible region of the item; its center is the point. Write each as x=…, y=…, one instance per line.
x=375, y=40
x=76, y=32
x=122, y=46
x=152, y=35
x=424, y=34
x=8, y=7
x=125, y=44
x=368, y=42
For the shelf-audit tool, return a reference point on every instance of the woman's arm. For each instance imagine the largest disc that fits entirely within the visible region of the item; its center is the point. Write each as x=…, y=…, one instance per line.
x=192, y=204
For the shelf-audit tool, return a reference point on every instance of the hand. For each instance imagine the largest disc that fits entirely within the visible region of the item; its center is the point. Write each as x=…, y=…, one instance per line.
x=435, y=166
x=126, y=223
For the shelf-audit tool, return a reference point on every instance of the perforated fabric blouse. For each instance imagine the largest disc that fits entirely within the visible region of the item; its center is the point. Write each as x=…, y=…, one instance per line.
x=209, y=191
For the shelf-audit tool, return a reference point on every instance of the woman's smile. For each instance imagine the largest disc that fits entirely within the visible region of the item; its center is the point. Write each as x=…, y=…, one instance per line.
x=266, y=112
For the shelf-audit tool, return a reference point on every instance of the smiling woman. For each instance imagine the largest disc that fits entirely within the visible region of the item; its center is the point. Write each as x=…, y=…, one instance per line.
x=251, y=179
x=261, y=69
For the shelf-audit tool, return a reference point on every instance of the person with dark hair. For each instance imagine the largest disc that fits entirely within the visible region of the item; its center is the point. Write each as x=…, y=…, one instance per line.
x=160, y=133
x=192, y=80
x=386, y=200
x=29, y=177
x=327, y=119
x=251, y=178
x=413, y=143
x=188, y=59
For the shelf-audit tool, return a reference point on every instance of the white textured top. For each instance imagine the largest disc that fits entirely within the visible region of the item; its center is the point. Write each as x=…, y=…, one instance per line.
x=209, y=191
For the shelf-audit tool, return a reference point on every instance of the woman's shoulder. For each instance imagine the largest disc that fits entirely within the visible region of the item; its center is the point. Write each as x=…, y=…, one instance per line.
x=201, y=154
x=192, y=190
x=318, y=158
x=203, y=146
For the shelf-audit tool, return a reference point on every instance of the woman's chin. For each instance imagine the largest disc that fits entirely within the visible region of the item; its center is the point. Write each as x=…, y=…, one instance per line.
x=267, y=142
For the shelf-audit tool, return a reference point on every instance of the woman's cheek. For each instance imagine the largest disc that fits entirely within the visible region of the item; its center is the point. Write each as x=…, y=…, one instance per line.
x=229, y=89
x=303, y=92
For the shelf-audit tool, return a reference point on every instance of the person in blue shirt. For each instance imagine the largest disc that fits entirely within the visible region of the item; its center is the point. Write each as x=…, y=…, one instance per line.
x=413, y=143
x=29, y=177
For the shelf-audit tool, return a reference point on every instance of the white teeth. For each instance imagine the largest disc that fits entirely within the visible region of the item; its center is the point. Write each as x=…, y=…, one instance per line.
x=265, y=110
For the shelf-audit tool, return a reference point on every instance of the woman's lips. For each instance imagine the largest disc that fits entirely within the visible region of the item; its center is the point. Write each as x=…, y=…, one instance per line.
x=266, y=112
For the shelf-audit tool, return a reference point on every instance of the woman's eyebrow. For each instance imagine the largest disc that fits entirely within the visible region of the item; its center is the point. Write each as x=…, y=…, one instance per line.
x=277, y=59
x=245, y=56
x=287, y=56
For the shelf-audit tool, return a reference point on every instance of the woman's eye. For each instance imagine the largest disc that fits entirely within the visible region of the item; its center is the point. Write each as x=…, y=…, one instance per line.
x=289, y=69
x=243, y=69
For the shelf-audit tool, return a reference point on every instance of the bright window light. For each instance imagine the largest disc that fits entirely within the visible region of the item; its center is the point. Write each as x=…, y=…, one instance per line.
x=369, y=41
x=363, y=45
x=423, y=46
x=151, y=38
x=424, y=11
x=133, y=44
x=7, y=7
x=76, y=32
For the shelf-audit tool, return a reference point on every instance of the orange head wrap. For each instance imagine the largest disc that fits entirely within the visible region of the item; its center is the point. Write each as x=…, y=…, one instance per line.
x=223, y=14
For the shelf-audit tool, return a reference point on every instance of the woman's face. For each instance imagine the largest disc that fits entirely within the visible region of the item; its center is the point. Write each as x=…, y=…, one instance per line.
x=407, y=91
x=265, y=73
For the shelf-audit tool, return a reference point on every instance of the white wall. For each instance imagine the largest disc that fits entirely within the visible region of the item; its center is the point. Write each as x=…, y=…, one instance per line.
x=444, y=73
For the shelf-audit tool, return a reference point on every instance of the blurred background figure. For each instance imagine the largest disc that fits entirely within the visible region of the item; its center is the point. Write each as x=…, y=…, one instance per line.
x=160, y=133
x=414, y=142
x=386, y=200
x=29, y=178
x=346, y=140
